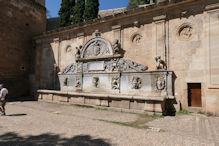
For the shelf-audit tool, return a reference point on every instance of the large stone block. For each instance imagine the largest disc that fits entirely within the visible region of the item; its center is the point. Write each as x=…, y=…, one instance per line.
x=59, y=98
x=104, y=103
x=137, y=105
x=153, y=106
x=40, y=97
x=76, y=100
x=47, y=97
x=92, y=101
x=121, y=104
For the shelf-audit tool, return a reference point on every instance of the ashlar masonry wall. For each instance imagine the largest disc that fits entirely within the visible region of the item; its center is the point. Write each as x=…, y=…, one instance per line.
x=184, y=34
x=19, y=22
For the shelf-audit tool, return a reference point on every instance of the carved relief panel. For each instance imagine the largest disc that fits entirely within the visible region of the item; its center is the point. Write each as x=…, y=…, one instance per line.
x=78, y=82
x=136, y=83
x=96, y=47
x=160, y=83
x=115, y=83
x=136, y=38
x=95, y=82
x=185, y=32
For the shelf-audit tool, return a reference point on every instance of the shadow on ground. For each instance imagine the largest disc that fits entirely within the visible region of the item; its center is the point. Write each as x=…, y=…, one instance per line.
x=49, y=139
x=16, y=115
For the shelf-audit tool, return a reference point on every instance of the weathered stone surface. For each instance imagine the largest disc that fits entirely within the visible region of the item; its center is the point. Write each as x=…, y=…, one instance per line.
x=92, y=101
x=153, y=106
x=121, y=104
x=59, y=98
x=76, y=100
x=19, y=22
x=138, y=105
x=47, y=97
x=185, y=37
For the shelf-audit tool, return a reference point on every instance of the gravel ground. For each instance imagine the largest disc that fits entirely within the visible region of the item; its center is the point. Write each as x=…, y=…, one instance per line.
x=40, y=123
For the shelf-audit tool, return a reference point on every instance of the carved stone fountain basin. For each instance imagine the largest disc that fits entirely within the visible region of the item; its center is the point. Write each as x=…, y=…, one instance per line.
x=101, y=76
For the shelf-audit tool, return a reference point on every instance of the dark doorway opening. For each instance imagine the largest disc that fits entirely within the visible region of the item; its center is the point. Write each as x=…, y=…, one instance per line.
x=194, y=95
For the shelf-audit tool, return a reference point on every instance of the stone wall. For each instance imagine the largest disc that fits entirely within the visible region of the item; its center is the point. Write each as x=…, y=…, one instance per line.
x=42, y=2
x=183, y=33
x=19, y=22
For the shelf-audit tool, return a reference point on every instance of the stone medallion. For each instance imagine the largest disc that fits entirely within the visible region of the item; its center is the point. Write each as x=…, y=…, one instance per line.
x=185, y=32
x=136, y=38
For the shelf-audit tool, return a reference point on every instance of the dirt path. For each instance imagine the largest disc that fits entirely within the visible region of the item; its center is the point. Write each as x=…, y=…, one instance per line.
x=39, y=123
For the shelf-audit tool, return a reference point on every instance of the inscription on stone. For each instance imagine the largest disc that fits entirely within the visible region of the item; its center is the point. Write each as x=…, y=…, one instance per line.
x=96, y=66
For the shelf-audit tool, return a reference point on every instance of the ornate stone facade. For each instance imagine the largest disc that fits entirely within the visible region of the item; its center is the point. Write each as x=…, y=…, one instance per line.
x=181, y=34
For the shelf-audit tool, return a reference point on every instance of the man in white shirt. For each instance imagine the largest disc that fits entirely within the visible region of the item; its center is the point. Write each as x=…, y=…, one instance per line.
x=3, y=94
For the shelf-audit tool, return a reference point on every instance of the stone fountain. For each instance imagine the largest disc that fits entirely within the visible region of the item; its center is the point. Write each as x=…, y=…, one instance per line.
x=100, y=76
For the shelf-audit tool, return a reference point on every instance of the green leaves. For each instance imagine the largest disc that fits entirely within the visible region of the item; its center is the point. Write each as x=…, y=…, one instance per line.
x=66, y=11
x=91, y=10
x=78, y=12
x=74, y=13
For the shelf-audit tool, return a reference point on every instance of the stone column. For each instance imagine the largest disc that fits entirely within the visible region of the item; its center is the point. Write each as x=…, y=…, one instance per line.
x=213, y=48
x=56, y=50
x=117, y=33
x=161, y=35
x=81, y=38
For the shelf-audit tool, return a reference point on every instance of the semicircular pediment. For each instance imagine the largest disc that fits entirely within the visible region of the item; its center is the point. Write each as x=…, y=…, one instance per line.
x=97, y=47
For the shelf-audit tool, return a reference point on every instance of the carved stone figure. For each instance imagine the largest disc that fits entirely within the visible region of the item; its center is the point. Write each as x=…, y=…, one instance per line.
x=97, y=33
x=136, y=83
x=95, y=81
x=160, y=83
x=161, y=64
x=116, y=47
x=66, y=82
x=78, y=52
x=124, y=65
x=97, y=48
x=115, y=83
x=111, y=66
x=78, y=83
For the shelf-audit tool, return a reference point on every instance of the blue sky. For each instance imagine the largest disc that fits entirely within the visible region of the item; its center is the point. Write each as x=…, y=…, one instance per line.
x=54, y=5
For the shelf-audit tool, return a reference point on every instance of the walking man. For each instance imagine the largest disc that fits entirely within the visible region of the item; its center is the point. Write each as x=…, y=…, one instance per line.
x=3, y=94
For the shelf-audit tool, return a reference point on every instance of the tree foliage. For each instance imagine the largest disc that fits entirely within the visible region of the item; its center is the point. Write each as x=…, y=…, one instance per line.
x=78, y=12
x=91, y=10
x=66, y=12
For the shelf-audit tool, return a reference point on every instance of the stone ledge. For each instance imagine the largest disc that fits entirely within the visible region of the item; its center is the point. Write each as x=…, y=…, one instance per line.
x=107, y=96
x=212, y=6
x=155, y=104
x=100, y=58
x=164, y=6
